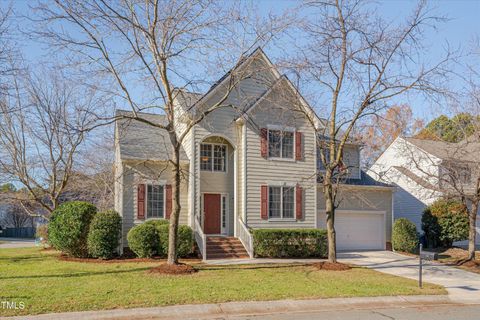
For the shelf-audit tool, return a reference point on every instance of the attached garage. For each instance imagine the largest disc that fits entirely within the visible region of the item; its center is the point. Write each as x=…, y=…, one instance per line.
x=358, y=230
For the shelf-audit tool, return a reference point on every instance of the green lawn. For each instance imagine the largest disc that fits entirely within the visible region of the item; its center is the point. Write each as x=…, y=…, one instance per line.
x=46, y=284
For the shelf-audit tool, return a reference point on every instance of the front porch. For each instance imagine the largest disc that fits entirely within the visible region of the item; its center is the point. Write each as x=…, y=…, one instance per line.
x=218, y=231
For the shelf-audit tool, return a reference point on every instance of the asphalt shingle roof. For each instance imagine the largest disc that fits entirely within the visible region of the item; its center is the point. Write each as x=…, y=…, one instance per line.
x=466, y=150
x=142, y=141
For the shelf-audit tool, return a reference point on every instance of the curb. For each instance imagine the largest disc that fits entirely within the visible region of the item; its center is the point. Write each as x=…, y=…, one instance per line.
x=248, y=308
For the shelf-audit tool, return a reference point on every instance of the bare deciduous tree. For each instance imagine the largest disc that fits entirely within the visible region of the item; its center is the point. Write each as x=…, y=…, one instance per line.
x=357, y=62
x=16, y=217
x=166, y=46
x=41, y=135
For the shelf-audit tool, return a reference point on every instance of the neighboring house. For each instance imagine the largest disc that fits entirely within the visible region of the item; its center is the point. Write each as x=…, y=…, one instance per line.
x=251, y=165
x=418, y=168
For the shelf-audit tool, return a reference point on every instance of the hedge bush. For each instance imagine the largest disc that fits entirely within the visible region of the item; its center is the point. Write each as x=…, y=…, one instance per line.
x=290, y=243
x=404, y=236
x=444, y=222
x=143, y=240
x=158, y=224
x=104, y=234
x=68, y=227
x=184, y=243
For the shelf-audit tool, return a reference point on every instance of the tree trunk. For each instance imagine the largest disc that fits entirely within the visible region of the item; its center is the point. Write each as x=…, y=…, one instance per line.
x=330, y=211
x=176, y=207
x=472, y=230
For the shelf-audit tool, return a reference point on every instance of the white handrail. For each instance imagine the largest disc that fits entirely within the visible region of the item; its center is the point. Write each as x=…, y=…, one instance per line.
x=200, y=238
x=245, y=237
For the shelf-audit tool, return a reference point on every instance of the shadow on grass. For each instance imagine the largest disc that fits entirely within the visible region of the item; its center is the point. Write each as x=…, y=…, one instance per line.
x=250, y=267
x=20, y=258
x=75, y=274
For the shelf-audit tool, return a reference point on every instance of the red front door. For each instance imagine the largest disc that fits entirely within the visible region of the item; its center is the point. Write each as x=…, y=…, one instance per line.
x=211, y=206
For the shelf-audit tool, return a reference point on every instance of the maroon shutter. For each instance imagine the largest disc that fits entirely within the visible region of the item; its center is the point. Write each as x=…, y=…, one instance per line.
x=141, y=201
x=298, y=146
x=263, y=142
x=299, y=202
x=264, y=203
x=168, y=199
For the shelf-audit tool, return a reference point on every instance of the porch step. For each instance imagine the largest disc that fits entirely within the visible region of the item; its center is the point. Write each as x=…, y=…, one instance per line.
x=225, y=248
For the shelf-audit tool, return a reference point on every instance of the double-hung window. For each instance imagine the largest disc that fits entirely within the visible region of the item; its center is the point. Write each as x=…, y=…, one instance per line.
x=280, y=144
x=213, y=157
x=155, y=201
x=281, y=202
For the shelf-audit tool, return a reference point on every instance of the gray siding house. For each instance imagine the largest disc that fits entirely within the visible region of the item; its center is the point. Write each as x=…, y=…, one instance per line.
x=252, y=164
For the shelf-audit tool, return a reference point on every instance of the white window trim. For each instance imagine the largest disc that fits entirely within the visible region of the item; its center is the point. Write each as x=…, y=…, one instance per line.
x=211, y=157
x=224, y=201
x=283, y=219
x=282, y=129
x=146, y=182
x=164, y=202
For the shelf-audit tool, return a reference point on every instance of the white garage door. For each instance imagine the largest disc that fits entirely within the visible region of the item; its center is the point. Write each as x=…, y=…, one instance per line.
x=359, y=230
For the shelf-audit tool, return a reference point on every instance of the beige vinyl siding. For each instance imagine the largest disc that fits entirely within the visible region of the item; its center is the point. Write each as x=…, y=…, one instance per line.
x=135, y=173
x=221, y=123
x=240, y=173
x=276, y=110
x=362, y=199
x=119, y=198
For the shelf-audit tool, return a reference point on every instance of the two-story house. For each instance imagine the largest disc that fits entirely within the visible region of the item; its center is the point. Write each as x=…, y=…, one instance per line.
x=251, y=164
x=424, y=171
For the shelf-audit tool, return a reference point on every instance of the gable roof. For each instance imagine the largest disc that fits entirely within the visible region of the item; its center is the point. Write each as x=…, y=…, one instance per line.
x=141, y=141
x=240, y=64
x=464, y=150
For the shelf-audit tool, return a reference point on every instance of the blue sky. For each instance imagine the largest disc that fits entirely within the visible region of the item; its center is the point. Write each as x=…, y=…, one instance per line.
x=459, y=31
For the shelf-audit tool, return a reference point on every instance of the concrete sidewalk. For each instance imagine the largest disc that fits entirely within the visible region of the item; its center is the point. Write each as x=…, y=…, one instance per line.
x=6, y=243
x=462, y=286
x=254, y=308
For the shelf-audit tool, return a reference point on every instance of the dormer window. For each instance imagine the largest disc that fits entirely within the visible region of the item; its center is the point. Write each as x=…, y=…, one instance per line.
x=280, y=144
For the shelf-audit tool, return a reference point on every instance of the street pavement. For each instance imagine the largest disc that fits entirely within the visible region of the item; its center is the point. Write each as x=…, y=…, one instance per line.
x=336, y=308
x=442, y=312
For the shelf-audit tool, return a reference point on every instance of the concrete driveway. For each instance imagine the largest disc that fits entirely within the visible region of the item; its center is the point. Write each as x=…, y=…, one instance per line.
x=16, y=243
x=462, y=286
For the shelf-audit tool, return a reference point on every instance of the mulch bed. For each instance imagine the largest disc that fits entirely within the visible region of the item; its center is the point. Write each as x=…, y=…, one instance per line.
x=179, y=269
x=329, y=266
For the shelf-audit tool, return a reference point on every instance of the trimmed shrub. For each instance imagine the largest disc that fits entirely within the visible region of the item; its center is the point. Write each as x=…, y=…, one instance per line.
x=184, y=244
x=444, y=222
x=290, y=243
x=404, y=236
x=104, y=234
x=158, y=223
x=143, y=240
x=68, y=227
